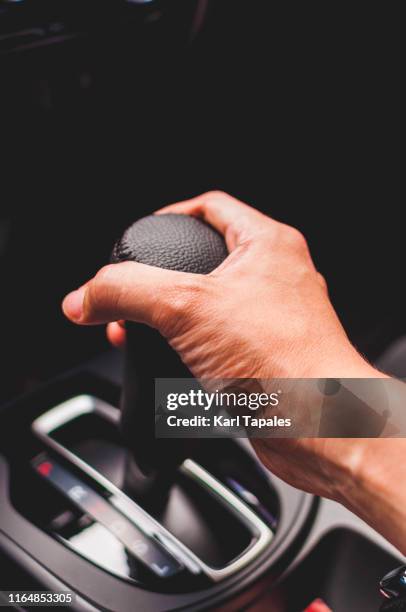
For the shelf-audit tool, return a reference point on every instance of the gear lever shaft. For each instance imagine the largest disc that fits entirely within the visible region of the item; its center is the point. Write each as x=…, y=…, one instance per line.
x=173, y=242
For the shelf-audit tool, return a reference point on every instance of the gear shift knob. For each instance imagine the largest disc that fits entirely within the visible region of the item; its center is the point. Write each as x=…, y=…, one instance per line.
x=174, y=242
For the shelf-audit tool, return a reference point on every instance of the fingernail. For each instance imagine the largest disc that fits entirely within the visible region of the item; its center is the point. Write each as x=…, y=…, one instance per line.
x=72, y=305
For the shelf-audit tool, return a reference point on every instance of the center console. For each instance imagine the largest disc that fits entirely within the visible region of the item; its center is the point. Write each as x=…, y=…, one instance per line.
x=66, y=517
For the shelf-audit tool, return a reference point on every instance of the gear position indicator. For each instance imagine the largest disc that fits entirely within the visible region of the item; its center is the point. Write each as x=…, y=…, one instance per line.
x=143, y=548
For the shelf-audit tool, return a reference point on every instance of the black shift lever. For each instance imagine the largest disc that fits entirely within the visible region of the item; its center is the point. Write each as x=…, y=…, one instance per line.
x=174, y=242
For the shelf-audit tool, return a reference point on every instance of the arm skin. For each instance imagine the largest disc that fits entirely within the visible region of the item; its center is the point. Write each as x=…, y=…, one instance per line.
x=264, y=313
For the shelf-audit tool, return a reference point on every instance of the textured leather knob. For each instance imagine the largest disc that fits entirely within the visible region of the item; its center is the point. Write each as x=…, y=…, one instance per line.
x=174, y=242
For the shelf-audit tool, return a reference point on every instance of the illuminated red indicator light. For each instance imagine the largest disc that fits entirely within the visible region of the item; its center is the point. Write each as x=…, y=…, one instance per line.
x=45, y=468
x=318, y=605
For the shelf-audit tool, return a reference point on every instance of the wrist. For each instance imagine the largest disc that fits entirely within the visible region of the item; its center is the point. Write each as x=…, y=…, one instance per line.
x=341, y=463
x=343, y=361
x=371, y=486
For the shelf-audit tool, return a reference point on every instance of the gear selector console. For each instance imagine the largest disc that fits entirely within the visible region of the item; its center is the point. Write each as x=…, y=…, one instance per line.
x=92, y=500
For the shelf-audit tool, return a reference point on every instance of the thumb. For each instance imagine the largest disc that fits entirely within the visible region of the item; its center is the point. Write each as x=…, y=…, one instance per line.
x=135, y=292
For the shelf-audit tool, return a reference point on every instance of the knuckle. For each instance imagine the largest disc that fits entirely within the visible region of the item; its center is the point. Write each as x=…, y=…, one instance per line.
x=294, y=238
x=213, y=199
x=182, y=302
x=322, y=281
x=217, y=194
x=92, y=299
x=105, y=274
x=99, y=294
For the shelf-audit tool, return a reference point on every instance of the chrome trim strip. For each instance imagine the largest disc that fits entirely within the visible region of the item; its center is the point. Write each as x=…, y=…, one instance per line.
x=216, y=488
x=62, y=414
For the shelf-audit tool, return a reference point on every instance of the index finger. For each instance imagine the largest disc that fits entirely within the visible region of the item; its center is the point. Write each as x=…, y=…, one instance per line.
x=235, y=220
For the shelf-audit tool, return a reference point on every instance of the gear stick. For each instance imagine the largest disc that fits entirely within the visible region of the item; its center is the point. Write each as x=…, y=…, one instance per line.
x=173, y=242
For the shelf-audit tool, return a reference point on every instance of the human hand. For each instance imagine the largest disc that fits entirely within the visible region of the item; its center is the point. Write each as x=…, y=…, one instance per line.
x=264, y=313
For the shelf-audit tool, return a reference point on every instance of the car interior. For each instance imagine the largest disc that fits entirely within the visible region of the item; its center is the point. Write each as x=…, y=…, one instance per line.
x=110, y=111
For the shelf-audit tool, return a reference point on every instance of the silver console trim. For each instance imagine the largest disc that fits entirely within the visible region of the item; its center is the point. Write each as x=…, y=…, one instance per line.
x=80, y=405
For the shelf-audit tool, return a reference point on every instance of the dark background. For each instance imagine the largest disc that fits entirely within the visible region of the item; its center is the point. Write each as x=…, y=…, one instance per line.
x=297, y=111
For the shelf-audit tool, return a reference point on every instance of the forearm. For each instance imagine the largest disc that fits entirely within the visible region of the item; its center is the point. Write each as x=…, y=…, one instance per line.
x=371, y=478
x=376, y=490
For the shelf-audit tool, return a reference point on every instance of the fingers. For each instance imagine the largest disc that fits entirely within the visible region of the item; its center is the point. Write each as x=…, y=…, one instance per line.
x=116, y=334
x=134, y=292
x=234, y=219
